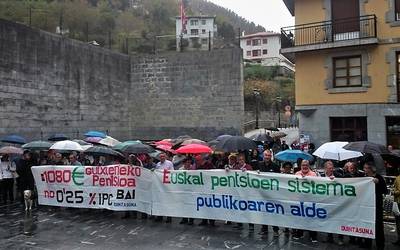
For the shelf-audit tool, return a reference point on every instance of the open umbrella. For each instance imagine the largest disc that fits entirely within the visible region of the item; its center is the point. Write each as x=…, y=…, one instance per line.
x=15, y=139
x=93, y=139
x=293, y=155
x=278, y=135
x=236, y=143
x=367, y=147
x=67, y=146
x=194, y=149
x=124, y=144
x=10, y=150
x=222, y=137
x=82, y=142
x=137, y=149
x=95, y=134
x=166, y=148
x=335, y=151
x=37, y=145
x=164, y=142
x=58, y=137
x=272, y=129
x=102, y=151
x=109, y=141
x=262, y=137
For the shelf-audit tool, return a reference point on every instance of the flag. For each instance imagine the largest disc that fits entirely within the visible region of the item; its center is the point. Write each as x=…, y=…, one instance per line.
x=183, y=17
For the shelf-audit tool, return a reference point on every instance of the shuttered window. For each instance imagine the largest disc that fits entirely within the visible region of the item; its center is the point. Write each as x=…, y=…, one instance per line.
x=347, y=71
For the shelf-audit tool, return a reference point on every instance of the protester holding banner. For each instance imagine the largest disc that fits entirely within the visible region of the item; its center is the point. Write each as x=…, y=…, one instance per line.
x=187, y=165
x=204, y=164
x=380, y=190
x=305, y=170
x=164, y=163
x=7, y=172
x=396, y=193
x=267, y=165
x=329, y=172
x=23, y=169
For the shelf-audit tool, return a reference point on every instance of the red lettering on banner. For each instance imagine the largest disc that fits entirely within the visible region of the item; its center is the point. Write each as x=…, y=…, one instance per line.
x=359, y=230
x=166, y=176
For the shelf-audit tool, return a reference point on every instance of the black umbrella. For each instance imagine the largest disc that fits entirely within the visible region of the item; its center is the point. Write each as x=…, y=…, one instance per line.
x=222, y=137
x=236, y=143
x=15, y=139
x=367, y=147
x=272, y=129
x=37, y=145
x=262, y=137
x=102, y=151
x=392, y=158
x=138, y=149
x=58, y=137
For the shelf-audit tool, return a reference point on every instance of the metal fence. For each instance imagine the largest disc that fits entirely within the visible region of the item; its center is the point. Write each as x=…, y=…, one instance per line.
x=329, y=31
x=127, y=43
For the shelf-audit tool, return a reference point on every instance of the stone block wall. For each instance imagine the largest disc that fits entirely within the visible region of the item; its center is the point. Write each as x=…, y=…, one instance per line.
x=50, y=84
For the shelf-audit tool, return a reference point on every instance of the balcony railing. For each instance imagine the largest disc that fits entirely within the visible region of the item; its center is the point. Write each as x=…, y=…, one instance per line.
x=329, y=31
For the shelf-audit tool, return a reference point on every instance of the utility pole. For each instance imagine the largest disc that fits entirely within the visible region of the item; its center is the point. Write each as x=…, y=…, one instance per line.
x=87, y=32
x=209, y=41
x=257, y=95
x=30, y=16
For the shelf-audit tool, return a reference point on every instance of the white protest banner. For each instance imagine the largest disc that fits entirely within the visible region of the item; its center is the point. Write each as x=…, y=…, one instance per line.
x=342, y=206
x=115, y=187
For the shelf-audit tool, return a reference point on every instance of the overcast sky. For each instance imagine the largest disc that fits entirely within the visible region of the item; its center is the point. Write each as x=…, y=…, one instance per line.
x=271, y=14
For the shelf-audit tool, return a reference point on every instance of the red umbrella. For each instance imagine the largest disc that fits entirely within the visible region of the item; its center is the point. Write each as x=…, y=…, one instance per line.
x=194, y=149
x=163, y=142
x=166, y=148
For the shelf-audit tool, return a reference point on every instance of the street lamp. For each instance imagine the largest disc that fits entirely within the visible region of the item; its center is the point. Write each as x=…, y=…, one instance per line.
x=278, y=101
x=257, y=95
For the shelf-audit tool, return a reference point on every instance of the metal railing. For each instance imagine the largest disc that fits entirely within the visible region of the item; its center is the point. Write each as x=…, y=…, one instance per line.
x=329, y=31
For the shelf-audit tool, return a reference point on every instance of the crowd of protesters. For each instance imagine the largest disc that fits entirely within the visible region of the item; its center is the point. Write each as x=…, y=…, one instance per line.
x=261, y=160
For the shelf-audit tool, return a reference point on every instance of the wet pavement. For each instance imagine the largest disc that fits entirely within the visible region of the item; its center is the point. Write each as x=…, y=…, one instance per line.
x=62, y=228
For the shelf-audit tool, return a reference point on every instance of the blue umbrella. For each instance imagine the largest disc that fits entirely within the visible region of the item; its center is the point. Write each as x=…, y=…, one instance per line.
x=16, y=139
x=293, y=155
x=58, y=137
x=95, y=134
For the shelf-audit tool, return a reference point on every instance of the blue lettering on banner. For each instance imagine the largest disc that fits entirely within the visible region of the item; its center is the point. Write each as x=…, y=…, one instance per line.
x=229, y=202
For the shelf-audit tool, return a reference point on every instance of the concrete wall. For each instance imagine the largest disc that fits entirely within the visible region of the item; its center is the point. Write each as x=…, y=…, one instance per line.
x=51, y=84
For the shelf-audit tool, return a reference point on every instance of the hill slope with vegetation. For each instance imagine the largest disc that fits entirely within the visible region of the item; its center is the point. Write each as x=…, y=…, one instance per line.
x=126, y=25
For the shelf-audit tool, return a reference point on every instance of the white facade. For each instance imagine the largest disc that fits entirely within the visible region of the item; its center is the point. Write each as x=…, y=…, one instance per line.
x=200, y=29
x=264, y=48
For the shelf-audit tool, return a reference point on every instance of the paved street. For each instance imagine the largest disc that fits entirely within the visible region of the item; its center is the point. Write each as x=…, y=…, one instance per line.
x=60, y=228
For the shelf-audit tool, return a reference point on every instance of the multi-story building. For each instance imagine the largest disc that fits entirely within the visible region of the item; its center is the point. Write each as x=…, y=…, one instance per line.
x=263, y=48
x=199, y=34
x=347, y=55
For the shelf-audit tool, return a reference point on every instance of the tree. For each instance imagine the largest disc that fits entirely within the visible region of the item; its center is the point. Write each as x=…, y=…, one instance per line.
x=226, y=31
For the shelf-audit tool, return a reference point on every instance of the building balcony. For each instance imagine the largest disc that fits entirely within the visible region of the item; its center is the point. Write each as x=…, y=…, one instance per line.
x=347, y=32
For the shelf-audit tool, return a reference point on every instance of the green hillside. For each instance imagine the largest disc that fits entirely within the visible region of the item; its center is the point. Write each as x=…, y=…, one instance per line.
x=124, y=25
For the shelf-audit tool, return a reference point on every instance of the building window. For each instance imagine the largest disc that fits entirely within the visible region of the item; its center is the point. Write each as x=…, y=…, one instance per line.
x=203, y=22
x=393, y=131
x=348, y=129
x=194, y=32
x=347, y=71
x=203, y=31
x=204, y=41
x=194, y=22
x=256, y=53
x=256, y=42
x=248, y=42
x=248, y=53
x=265, y=51
x=397, y=10
x=265, y=41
